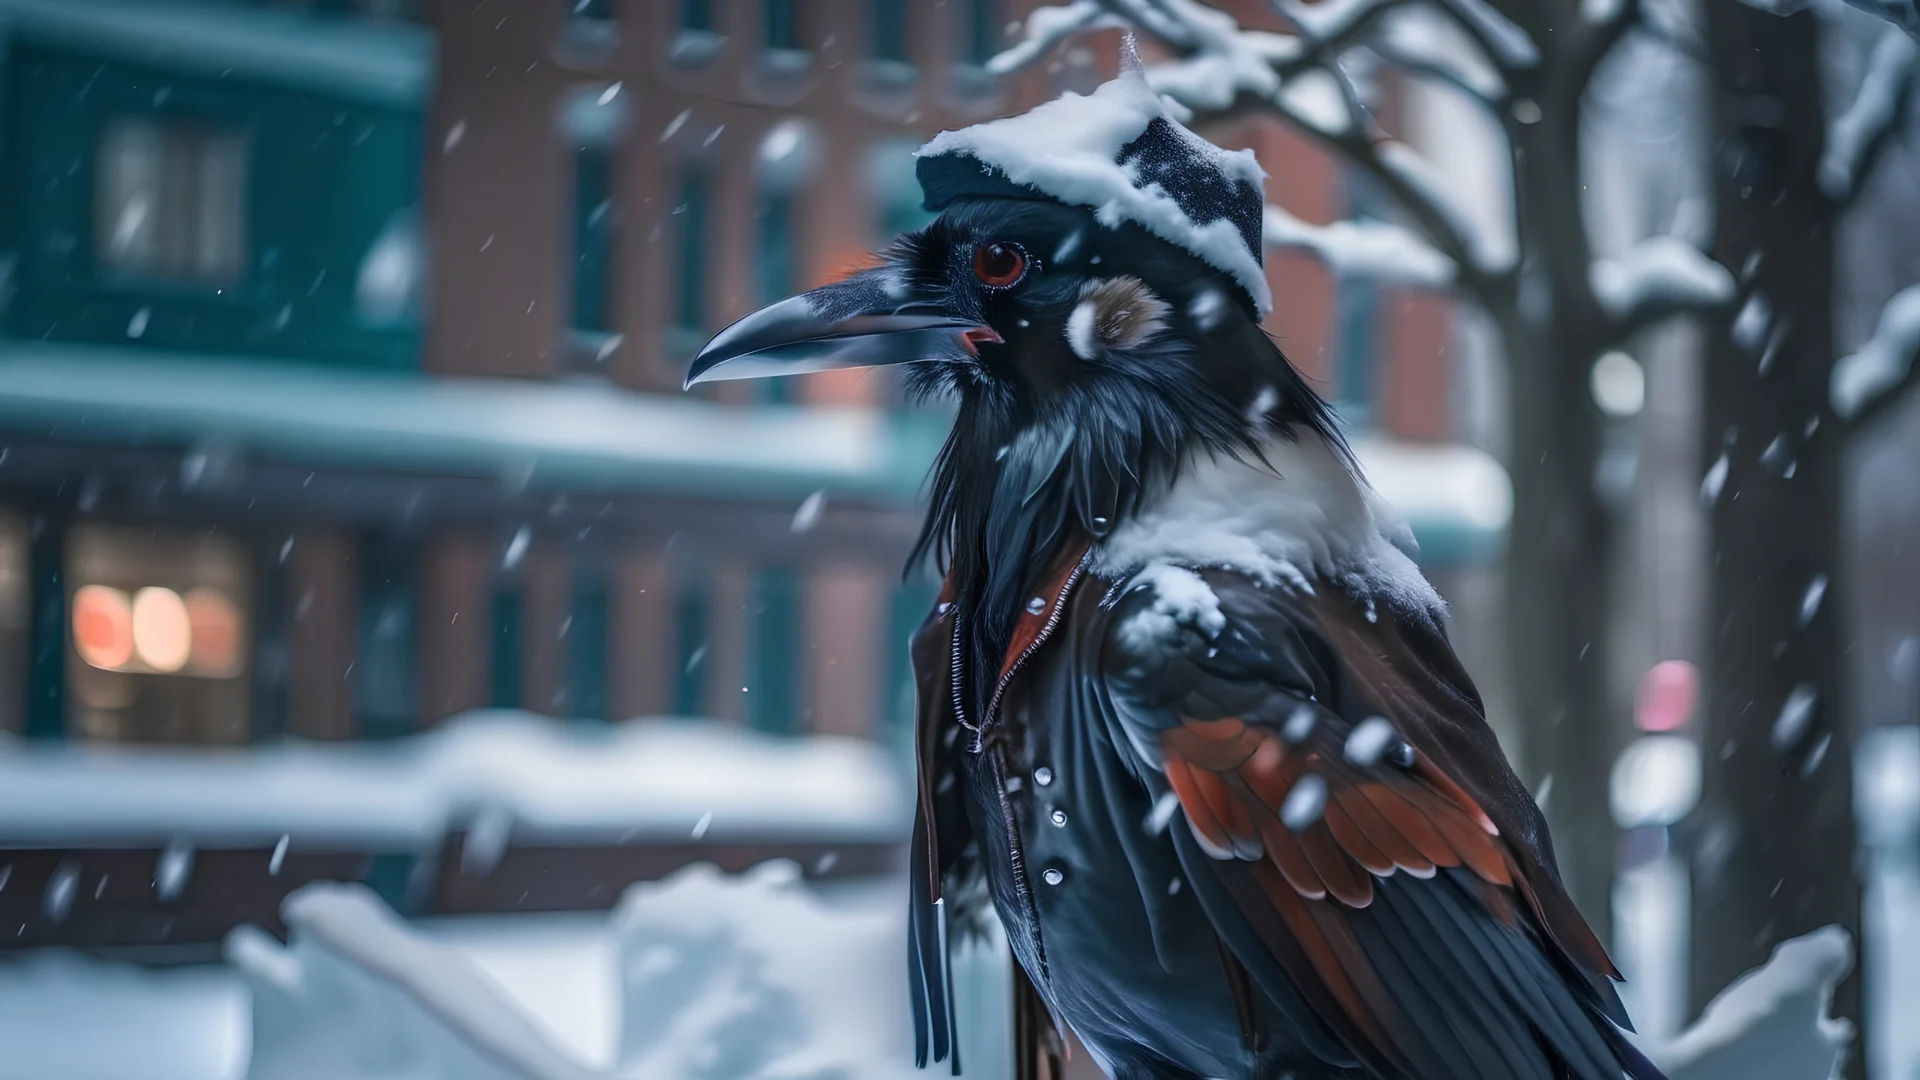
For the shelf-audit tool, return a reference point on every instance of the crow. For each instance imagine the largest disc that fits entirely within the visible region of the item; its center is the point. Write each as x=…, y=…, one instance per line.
x=1188, y=719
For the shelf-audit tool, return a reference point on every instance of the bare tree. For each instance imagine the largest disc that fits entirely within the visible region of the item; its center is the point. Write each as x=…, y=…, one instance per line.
x=1776, y=849
x=1555, y=307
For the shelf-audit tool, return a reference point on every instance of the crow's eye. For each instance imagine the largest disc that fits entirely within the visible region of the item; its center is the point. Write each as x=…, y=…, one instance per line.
x=999, y=265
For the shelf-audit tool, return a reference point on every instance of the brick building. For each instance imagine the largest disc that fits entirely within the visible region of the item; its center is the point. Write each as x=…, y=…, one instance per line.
x=339, y=381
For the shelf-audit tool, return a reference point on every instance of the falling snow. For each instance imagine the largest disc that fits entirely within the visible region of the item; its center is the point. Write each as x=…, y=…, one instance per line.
x=1796, y=714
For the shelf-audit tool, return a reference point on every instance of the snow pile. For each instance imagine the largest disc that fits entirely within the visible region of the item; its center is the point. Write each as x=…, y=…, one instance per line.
x=1880, y=364
x=758, y=977
x=1657, y=274
x=1375, y=250
x=66, y=1016
x=1070, y=148
x=751, y=977
x=359, y=995
x=634, y=780
x=1771, y=1022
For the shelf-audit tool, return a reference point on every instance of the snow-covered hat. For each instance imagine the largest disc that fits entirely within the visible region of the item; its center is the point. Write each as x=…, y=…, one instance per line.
x=1118, y=151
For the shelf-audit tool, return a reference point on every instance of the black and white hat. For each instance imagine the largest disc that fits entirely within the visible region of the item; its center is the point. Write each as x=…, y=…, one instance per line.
x=1118, y=151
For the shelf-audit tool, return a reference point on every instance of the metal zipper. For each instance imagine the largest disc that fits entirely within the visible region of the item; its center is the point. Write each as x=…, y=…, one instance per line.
x=1046, y=631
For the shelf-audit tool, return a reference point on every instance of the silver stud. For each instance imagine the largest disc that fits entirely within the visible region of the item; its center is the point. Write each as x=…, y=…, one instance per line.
x=1036, y=605
x=1043, y=776
x=1059, y=818
x=1053, y=877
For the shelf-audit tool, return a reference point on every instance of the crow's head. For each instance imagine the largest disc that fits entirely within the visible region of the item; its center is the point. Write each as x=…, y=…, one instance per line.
x=1089, y=295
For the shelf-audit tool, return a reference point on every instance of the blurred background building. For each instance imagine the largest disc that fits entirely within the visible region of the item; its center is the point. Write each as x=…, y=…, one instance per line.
x=350, y=504
x=341, y=384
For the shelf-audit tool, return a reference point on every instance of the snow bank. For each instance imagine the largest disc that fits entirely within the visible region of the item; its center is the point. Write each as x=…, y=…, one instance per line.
x=756, y=977
x=359, y=995
x=66, y=1016
x=1771, y=1022
x=516, y=771
x=748, y=977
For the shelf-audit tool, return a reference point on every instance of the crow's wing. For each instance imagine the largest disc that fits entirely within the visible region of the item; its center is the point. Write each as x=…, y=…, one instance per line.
x=1338, y=830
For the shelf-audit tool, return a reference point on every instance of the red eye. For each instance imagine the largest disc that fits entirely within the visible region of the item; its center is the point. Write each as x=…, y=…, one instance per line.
x=999, y=265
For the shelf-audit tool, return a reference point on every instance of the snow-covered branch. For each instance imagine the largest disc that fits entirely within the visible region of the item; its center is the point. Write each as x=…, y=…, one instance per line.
x=1866, y=380
x=1660, y=276
x=1048, y=26
x=1904, y=14
x=1376, y=250
x=1423, y=42
x=1856, y=135
x=1218, y=70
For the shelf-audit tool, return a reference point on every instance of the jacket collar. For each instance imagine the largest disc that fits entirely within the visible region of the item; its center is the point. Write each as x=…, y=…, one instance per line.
x=1037, y=620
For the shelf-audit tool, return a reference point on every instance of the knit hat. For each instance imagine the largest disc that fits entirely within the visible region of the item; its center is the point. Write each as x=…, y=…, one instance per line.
x=1118, y=151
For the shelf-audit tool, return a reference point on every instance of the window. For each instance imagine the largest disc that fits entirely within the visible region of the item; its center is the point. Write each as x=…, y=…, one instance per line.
x=776, y=269
x=506, y=626
x=690, y=636
x=1358, y=312
x=587, y=646
x=896, y=190
x=773, y=662
x=781, y=24
x=385, y=665
x=160, y=635
x=592, y=237
x=889, y=29
x=692, y=212
x=15, y=593
x=170, y=201
x=980, y=33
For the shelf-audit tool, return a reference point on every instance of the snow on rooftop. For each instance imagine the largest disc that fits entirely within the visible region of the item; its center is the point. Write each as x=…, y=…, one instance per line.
x=550, y=435
x=643, y=779
x=546, y=433
x=388, y=62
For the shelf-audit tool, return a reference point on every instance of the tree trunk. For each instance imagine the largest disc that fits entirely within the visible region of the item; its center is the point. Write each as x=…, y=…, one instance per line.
x=1558, y=554
x=1775, y=844
x=1557, y=568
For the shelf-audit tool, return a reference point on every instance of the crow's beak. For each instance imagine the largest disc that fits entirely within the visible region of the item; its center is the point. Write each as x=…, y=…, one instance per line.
x=868, y=320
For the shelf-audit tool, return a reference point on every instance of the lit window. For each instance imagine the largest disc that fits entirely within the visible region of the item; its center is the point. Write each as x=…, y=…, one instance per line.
x=170, y=201
x=103, y=626
x=162, y=640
